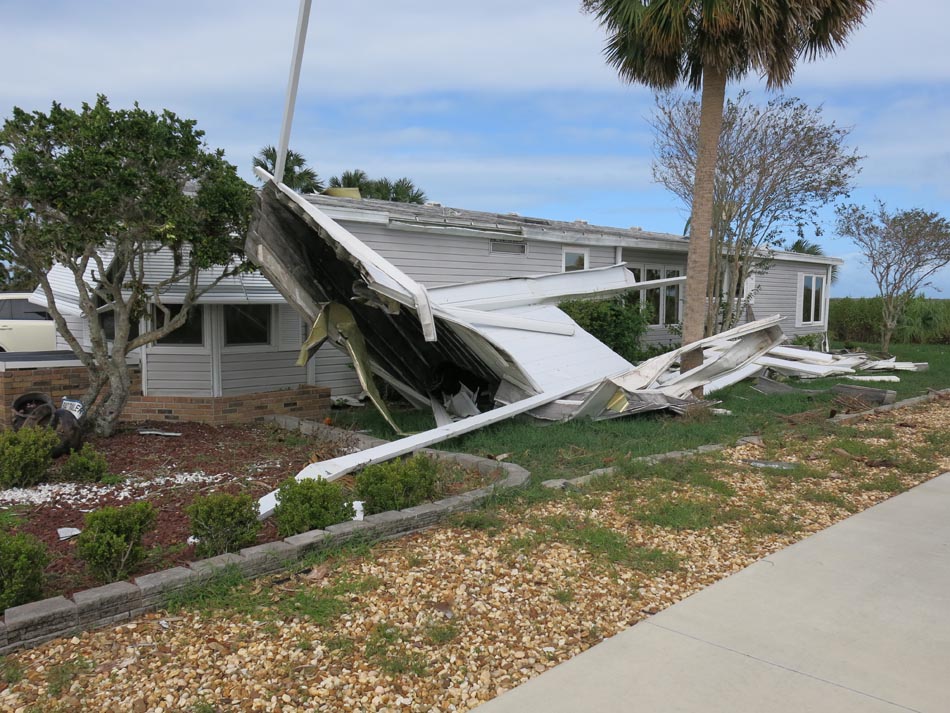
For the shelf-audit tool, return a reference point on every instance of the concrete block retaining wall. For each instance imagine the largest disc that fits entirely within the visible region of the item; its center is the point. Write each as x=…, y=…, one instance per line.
x=34, y=623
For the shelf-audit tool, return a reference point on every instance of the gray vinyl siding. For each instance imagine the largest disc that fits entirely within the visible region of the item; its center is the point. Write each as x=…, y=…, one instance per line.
x=335, y=370
x=77, y=327
x=777, y=293
x=251, y=372
x=178, y=373
x=436, y=259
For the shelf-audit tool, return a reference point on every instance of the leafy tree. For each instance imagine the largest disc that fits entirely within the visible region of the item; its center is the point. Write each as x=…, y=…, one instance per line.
x=705, y=43
x=402, y=190
x=296, y=173
x=902, y=250
x=777, y=165
x=102, y=193
x=14, y=278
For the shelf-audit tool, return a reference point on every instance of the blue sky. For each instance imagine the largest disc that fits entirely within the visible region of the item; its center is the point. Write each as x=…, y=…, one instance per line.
x=494, y=105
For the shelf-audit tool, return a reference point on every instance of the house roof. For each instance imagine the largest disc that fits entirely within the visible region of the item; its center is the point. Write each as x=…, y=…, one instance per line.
x=435, y=217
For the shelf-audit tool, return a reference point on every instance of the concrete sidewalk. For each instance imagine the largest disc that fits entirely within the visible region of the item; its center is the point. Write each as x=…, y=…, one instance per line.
x=854, y=618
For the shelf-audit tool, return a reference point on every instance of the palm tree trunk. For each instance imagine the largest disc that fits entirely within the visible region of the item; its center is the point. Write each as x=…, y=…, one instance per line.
x=701, y=220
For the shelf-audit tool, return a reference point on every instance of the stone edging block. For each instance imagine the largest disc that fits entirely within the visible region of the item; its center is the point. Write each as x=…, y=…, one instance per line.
x=36, y=622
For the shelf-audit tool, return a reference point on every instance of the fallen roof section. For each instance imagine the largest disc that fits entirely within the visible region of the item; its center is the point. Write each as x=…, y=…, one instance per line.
x=478, y=352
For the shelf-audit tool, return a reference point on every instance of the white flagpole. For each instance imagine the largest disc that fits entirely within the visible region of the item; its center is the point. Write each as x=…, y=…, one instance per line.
x=303, y=19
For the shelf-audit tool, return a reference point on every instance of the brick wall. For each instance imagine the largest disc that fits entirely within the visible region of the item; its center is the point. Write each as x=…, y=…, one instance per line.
x=308, y=402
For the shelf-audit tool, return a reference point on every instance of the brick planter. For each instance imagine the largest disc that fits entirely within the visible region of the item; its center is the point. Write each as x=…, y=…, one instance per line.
x=311, y=402
x=32, y=624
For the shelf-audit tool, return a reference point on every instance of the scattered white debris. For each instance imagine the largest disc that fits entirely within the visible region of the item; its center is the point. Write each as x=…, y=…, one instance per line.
x=152, y=432
x=68, y=533
x=882, y=377
x=358, y=509
x=90, y=494
x=720, y=412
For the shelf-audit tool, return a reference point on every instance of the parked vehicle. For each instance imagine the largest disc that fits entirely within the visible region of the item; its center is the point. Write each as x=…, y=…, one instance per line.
x=24, y=327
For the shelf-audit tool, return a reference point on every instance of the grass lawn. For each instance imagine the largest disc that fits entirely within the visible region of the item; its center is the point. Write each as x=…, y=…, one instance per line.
x=566, y=450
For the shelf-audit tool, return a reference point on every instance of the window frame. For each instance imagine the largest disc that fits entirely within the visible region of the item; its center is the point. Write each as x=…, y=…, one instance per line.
x=203, y=348
x=661, y=317
x=272, y=335
x=565, y=249
x=800, y=297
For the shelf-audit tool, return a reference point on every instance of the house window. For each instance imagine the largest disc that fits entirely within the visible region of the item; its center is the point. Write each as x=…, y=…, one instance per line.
x=671, y=300
x=191, y=333
x=576, y=259
x=665, y=303
x=652, y=297
x=507, y=247
x=813, y=299
x=246, y=325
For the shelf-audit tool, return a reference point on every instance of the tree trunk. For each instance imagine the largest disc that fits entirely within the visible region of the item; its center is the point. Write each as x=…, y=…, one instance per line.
x=120, y=385
x=701, y=219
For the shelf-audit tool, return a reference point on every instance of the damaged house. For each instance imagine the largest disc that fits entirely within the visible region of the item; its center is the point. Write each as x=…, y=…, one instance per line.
x=245, y=337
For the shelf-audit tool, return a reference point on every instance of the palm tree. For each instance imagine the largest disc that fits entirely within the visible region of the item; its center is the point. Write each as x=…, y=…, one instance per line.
x=801, y=245
x=296, y=173
x=356, y=178
x=706, y=43
x=399, y=191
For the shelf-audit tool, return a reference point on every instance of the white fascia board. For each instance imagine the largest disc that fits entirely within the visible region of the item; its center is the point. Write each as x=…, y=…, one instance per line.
x=802, y=257
x=541, y=289
x=336, y=467
x=379, y=270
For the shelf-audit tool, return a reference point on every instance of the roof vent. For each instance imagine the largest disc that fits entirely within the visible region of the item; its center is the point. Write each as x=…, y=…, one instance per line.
x=433, y=204
x=582, y=222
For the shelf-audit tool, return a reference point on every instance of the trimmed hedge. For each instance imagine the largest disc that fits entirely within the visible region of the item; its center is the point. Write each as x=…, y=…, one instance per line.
x=310, y=504
x=222, y=522
x=397, y=484
x=25, y=456
x=22, y=561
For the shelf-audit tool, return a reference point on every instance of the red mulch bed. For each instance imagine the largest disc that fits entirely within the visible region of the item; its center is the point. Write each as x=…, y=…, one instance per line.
x=252, y=459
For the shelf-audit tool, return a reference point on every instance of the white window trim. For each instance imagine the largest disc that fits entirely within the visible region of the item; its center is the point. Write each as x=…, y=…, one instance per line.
x=203, y=348
x=272, y=336
x=800, y=294
x=507, y=241
x=643, y=267
x=565, y=249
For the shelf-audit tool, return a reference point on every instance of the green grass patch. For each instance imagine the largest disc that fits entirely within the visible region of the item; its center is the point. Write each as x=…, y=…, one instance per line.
x=824, y=497
x=383, y=649
x=440, y=634
x=60, y=676
x=770, y=525
x=884, y=484
x=685, y=514
x=11, y=671
x=483, y=520
x=564, y=596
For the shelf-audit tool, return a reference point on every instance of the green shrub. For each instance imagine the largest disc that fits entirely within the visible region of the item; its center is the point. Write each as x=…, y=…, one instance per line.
x=223, y=523
x=85, y=465
x=22, y=560
x=812, y=341
x=858, y=319
x=25, y=456
x=111, y=543
x=310, y=504
x=619, y=322
x=397, y=484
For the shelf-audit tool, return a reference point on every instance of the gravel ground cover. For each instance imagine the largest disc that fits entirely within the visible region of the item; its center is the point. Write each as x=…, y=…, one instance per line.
x=448, y=618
